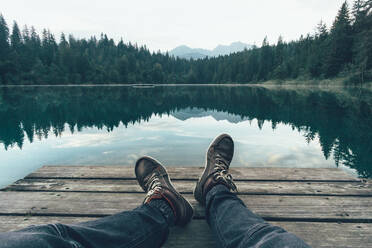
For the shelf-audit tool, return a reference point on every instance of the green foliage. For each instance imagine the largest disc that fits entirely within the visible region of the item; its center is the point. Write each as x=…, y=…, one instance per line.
x=16, y=38
x=340, y=53
x=362, y=42
x=345, y=49
x=4, y=38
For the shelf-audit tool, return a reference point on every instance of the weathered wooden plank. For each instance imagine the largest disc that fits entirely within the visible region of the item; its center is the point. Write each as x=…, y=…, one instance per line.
x=126, y=172
x=258, y=187
x=198, y=234
x=270, y=207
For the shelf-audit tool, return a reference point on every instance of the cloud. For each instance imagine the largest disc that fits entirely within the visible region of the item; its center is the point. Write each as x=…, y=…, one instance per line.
x=166, y=24
x=85, y=140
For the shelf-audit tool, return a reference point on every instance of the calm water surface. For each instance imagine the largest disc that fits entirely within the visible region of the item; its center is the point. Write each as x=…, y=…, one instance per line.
x=272, y=127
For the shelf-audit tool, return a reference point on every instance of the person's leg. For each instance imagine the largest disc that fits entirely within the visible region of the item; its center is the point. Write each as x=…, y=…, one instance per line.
x=236, y=226
x=231, y=222
x=145, y=226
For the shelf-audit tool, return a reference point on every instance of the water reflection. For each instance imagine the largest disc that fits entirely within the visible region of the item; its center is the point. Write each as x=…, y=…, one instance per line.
x=339, y=118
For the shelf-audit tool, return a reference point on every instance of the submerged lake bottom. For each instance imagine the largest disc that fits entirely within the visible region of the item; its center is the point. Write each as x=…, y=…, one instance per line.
x=295, y=127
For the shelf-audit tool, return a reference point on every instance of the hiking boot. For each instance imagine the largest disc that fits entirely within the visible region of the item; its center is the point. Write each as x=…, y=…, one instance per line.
x=154, y=180
x=216, y=171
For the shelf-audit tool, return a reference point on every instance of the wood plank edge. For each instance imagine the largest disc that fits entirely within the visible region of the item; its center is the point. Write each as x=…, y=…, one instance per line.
x=266, y=218
x=14, y=189
x=195, y=179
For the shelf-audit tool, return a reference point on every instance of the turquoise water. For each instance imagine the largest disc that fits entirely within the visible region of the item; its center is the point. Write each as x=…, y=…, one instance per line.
x=271, y=127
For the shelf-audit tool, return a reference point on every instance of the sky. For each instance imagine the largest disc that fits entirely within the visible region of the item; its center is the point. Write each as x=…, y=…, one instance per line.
x=166, y=24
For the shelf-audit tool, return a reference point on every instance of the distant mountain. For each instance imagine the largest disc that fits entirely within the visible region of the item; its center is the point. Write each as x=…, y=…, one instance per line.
x=184, y=50
x=232, y=48
x=199, y=53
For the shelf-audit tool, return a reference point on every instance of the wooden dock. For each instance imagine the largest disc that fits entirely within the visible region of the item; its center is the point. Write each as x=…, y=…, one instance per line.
x=325, y=207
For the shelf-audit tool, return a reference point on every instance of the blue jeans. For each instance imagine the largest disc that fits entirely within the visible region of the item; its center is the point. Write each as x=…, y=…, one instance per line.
x=148, y=226
x=235, y=226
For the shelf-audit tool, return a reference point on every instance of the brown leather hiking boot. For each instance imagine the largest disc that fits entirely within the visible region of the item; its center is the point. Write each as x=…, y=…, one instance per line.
x=154, y=180
x=219, y=156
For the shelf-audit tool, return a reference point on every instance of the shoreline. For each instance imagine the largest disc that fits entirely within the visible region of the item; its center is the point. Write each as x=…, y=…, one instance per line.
x=336, y=83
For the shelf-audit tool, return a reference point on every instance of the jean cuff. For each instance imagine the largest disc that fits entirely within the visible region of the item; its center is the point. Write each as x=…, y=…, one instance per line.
x=165, y=209
x=215, y=191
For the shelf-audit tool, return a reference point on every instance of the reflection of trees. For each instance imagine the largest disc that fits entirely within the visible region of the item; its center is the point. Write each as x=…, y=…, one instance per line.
x=341, y=119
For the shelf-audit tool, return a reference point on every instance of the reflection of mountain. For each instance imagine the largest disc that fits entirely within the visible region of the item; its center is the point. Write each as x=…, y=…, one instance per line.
x=188, y=113
x=342, y=119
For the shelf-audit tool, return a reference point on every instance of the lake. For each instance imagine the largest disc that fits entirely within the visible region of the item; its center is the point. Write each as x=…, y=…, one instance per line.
x=292, y=127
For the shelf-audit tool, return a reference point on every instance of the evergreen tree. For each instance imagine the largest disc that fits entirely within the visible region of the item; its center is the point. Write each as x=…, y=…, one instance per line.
x=4, y=38
x=16, y=38
x=26, y=34
x=362, y=47
x=266, y=61
x=122, y=68
x=358, y=9
x=252, y=65
x=16, y=54
x=49, y=48
x=279, y=52
x=27, y=59
x=317, y=59
x=4, y=50
x=280, y=71
x=341, y=41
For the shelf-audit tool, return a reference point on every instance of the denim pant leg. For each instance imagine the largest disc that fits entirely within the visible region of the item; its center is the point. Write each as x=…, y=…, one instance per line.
x=234, y=225
x=144, y=226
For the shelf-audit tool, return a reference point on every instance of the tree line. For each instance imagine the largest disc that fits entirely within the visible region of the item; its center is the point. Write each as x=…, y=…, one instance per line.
x=341, y=120
x=343, y=50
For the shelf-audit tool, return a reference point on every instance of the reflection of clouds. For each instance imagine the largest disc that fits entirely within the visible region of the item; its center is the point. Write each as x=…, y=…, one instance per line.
x=132, y=158
x=85, y=140
x=157, y=123
x=154, y=138
x=184, y=143
x=192, y=127
x=101, y=139
x=282, y=159
x=174, y=142
x=262, y=153
x=349, y=170
x=274, y=159
x=254, y=147
x=301, y=158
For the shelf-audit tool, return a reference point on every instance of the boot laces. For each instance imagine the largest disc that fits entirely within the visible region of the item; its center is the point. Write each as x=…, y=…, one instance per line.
x=221, y=172
x=153, y=185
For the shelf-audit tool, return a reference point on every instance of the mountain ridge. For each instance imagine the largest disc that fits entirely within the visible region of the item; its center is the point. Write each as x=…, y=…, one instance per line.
x=187, y=52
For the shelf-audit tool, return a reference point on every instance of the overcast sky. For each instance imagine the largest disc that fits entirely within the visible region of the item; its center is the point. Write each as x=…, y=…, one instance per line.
x=165, y=24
